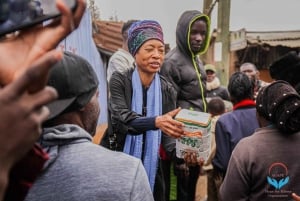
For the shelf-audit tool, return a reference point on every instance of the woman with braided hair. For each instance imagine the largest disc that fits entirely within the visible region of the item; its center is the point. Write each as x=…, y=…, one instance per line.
x=264, y=166
x=232, y=126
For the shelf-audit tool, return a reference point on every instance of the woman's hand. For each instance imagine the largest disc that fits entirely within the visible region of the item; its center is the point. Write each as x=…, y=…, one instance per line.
x=168, y=125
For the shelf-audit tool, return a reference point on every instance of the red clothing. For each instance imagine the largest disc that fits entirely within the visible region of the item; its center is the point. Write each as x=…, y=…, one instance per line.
x=24, y=173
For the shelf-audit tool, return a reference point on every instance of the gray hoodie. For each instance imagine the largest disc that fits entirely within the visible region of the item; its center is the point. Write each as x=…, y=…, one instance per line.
x=80, y=170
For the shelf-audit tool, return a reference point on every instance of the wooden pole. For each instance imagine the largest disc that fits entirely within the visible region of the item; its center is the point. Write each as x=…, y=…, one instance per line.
x=223, y=40
x=206, y=6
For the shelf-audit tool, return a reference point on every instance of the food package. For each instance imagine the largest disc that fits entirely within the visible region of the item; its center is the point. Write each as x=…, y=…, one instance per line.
x=197, y=133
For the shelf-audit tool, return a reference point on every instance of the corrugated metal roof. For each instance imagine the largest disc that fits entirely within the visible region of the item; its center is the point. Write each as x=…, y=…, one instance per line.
x=275, y=38
x=108, y=35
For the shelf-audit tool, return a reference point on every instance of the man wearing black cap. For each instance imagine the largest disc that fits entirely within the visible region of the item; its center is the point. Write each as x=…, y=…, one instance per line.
x=77, y=168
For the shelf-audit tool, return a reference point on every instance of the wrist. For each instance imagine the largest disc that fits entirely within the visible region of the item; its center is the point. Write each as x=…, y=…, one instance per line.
x=157, y=121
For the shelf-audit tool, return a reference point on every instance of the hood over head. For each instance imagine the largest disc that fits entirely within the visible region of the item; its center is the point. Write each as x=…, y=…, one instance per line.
x=53, y=138
x=183, y=31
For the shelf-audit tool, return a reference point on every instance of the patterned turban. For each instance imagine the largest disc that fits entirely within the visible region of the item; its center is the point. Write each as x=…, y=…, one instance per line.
x=279, y=103
x=141, y=31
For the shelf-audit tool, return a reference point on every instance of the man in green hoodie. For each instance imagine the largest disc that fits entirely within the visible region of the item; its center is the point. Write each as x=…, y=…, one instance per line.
x=184, y=69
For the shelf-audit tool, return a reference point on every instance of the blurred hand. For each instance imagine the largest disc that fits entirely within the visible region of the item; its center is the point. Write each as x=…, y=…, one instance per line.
x=295, y=197
x=20, y=51
x=184, y=170
x=168, y=125
x=22, y=113
x=191, y=159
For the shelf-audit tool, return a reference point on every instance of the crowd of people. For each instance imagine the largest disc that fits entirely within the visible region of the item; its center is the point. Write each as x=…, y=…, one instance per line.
x=50, y=111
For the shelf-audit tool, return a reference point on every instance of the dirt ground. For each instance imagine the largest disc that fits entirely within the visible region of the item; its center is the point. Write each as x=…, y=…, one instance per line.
x=201, y=188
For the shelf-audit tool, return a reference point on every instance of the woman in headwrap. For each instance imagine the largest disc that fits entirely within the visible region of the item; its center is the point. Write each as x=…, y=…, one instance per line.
x=142, y=103
x=265, y=166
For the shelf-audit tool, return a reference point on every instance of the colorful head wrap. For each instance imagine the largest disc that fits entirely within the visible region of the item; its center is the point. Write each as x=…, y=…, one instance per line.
x=279, y=103
x=141, y=31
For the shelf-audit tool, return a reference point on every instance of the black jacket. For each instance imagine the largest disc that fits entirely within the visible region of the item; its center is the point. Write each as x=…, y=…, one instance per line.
x=120, y=111
x=181, y=65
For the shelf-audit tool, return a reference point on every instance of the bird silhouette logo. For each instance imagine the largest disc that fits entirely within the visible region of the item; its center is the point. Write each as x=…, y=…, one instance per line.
x=278, y=175
x=278, y=184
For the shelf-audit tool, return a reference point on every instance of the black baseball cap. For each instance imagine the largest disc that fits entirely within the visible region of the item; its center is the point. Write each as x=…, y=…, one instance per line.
x=75, y=81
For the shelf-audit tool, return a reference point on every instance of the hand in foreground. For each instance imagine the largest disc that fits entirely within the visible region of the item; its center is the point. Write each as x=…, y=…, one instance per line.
x=168, y=125
x=20, y=51
x=295, y=197
x=22, y=113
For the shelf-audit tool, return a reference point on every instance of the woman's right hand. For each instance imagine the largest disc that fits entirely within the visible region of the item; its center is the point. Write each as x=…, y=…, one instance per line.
x=168, y=125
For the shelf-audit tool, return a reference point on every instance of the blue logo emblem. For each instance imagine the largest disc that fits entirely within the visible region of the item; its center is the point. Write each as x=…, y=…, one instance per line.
x=278, y=175
x=278, y=184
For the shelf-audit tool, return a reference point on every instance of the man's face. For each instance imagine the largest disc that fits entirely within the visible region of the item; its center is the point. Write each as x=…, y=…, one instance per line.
x=197, y=35
x=210, y=75
x=250, y=71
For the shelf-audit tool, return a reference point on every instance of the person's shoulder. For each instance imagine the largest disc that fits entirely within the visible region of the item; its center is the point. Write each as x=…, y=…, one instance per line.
x=163, y=79
x=115, y=158
x=165, y=83
x=251, y=141
x=122, y=74
x=121, y=54
x=172, y=57
x=263, y=83
x=223, y=88
x=225, y=116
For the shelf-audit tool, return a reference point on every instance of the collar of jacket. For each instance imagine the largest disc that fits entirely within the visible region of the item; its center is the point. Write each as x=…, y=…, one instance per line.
x=244, y=103
x=213, y=84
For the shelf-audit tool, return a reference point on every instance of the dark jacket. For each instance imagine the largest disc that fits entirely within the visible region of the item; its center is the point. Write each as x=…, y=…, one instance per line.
x=231, y=127
x=120, y=108
x=183, y=67
x=219, y=92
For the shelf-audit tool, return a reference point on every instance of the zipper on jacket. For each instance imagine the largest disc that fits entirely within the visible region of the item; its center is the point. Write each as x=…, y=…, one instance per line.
x=200, y=83
x=144, y=113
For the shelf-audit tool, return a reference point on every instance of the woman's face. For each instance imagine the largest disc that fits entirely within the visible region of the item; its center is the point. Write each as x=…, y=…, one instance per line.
x=150, y=56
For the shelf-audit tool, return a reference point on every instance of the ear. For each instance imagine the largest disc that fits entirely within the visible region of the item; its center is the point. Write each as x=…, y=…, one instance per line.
x=82, y=109
x=257, y=73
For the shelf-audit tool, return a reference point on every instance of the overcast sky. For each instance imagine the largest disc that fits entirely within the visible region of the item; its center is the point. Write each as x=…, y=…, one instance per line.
x=254, y=15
